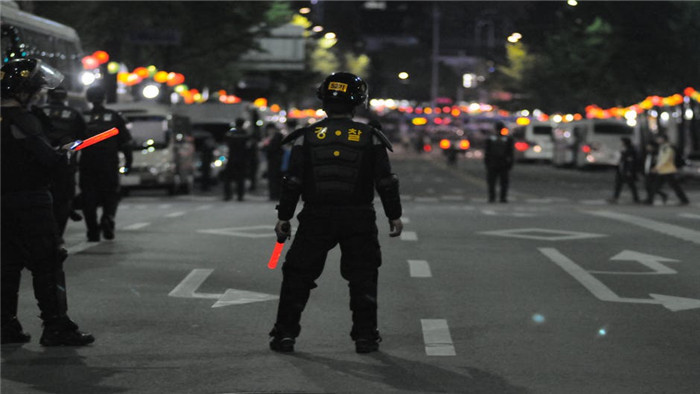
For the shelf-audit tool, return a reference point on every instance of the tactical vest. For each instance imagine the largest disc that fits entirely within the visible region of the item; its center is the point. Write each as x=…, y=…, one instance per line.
x=64, y=122
x=338, y=166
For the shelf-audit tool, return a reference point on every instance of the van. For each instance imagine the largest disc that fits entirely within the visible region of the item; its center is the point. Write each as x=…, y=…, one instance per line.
x=533, y=141
x=163, y=149
x=590, y=142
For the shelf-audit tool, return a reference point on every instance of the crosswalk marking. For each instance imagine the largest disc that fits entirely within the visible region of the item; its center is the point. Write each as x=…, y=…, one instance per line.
x=419, y=269
x=436, y=335
x=136, y=226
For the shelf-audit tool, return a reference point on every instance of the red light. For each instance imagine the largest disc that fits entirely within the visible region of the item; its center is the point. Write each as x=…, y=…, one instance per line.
x=437, y=121
x=464, y=144
x=427, y=148
x=101, y=56
x=688, y=91
x=522, y=146
x=586, y=149
x=90, y=63
x=445, y=144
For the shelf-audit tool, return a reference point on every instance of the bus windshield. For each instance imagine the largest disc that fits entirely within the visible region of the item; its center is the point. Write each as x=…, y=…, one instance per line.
x=149, y=132
x=613, y=129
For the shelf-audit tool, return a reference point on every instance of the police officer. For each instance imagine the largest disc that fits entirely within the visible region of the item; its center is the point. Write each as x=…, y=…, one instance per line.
x=274, y=153
x=626, y=171
x=498, y=157
x=99, y=166
x=238, y=165
x=335, y=166
x=29, y=232
x=66, y=125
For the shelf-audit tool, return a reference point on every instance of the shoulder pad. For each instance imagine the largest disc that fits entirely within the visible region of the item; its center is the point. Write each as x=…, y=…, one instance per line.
x=385, y=141
x=293, y=135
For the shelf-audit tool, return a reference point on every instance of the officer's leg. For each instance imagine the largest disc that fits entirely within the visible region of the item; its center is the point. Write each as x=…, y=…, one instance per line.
x=618, y=186
x=90, y=198
x=240, y=186
x=109, y=212
x=303, y=265
x=359, y=263
x=491, y=175
x=505, y=182
x=633, y=188
x=11, y=267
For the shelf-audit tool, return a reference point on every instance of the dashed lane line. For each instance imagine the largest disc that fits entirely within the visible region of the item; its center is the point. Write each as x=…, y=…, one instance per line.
x=436, y=335
x=661, y=227
x=689, y=215
x=136, y=226
x=175, y=214
x=409, y=236
x=419, y=269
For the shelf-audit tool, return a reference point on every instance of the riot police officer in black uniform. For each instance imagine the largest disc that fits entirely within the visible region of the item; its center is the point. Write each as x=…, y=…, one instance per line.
x=335, y=166
x=498, y=158
x=29, y=232
x=238, y=166
x=99, y=166
x=65, y=126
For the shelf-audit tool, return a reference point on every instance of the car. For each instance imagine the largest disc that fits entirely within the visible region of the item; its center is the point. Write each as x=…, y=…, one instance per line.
x=163, y=149
x=533, y=141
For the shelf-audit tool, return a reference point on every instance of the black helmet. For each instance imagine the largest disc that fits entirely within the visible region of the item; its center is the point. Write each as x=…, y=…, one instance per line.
x=342, y=88
x=95, y=94
x=58, y=95
x=28, y=77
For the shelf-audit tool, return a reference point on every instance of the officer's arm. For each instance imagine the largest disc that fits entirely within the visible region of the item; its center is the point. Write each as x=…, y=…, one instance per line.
x=386, y=183
x=36, y=141
x=292, y=183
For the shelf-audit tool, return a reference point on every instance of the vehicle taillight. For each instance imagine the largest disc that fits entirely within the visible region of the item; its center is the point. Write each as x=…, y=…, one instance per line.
x=464, y=144
x=445, y=144
x=586, y=149
x=522, y=146
x=427, y=148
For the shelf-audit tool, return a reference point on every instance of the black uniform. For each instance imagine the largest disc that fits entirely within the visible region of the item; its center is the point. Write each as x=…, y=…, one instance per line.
x=99, y=171
x=65, y=126
x=274, y=153
x=238, y=166
x=627, y=172
x=498, y=157
x=335, y=166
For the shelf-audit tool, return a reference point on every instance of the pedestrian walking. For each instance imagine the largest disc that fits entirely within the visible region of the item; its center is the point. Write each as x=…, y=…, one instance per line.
x=238, y=164
x=626, y=171
x=65, y=125
x=652, y=151
x=99, y=167
x=274, y=154
x=335, y=166
x=498, y=158
x=666, y=171
x=29, y=231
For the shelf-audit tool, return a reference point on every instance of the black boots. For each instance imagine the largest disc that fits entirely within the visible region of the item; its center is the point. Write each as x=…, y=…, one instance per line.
x=63, y=332
x=12, y=332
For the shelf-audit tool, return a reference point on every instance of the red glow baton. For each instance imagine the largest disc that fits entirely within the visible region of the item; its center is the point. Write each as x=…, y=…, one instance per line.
x=96, y=138
x=272, y=264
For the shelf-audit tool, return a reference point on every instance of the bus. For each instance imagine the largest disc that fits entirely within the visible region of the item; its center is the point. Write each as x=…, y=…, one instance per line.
x=591, y=142
x=25, y=35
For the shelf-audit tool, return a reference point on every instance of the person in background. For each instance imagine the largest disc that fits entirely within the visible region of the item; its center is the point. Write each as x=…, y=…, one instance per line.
x=666, y=171
x=238, y=164
x=274, y=154
x=652, y=151
x=498, y=158
x=626, y=171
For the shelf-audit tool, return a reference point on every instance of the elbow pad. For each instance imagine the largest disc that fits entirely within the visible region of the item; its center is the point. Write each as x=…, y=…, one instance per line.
x=292, y=184
x=389, y=184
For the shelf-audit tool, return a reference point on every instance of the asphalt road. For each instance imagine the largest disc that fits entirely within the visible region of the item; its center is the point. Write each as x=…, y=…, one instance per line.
x=555, y=292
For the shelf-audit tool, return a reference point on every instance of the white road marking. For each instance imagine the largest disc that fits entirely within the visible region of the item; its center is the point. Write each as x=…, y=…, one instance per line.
x=203, y=207
x=436, y=335
x=661, y=227
x=453, y=198
x=409, y=236
x=593, y=202
x=426, y=199
x=689, y=215
x=261, y=231
x=603, y=293
x=165, y=206
x=648, y=260
x=175, y=214
x=542, y=234
x=188, y=289
x=419, y=269
x=136, y=226
x=81, y=247
x=405, y=220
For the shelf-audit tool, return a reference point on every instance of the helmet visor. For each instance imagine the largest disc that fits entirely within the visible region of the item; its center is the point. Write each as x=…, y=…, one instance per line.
x=49, y=76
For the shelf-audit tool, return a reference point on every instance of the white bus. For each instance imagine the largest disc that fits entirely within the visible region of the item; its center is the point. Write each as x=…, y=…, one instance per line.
x=26, y=35
x=591, y=142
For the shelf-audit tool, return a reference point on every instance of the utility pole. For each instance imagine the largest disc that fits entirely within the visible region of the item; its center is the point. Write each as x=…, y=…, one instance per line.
x=435, y=76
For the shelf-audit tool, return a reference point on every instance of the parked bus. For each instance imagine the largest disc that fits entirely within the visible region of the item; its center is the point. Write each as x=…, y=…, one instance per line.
x=533, y=141
x=26, y=35
x=590, y=142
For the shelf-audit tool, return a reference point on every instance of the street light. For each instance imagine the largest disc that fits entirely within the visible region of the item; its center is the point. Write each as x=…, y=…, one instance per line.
x=317, y=29
x=572, y=3
x=515, y=37
x=304, y=10
x=403, y=75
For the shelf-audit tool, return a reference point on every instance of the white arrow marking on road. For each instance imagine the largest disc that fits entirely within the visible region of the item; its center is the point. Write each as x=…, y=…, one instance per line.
x=188, y=289
x=603, y=293
x=649, y=260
